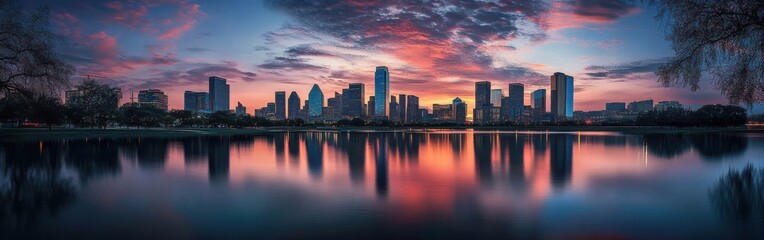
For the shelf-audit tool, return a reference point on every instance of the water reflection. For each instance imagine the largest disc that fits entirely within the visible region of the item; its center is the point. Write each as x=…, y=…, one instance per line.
x=447, y=184
x=33, y=185
x=738, y=197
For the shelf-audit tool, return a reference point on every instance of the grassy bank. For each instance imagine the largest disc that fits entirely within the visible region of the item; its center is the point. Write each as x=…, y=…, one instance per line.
x=12, y=134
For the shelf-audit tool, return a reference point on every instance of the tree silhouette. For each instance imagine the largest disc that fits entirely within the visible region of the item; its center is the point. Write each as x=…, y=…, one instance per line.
x=723, y=37
x=28, y=62
x=95, y=103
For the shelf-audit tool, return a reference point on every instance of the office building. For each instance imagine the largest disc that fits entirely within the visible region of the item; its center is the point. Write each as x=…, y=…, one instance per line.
x=280, y=111
x=381, y=92
x=370, y=106
x=412, y=109
x=483, y=106
x=333, y=108
x=640, y=106
x=196, y=101
x=153, y=97
x=442, y=112
x=219, y=94
x=460, y=110
x=393, y=111
x=352, y=100
x=538, y=101
x=496, y=96
x=615, y=106
x=516, y=100
x=402, y=107
x=562, y=95
x=294, y=106
x=240, y=109
x=315, y=102
x=665, y=105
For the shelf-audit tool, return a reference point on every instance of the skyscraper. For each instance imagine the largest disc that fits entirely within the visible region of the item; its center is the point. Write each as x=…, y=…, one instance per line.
x=538, y=99
x=393, y=111
x=219, y=94
x=381, y=91
x=316, y=101
x=352, y=100
x=153, y=97
x=294, y=105
x=496, y=96
x=240, y=109
x=483, y=106
x=412, y=111
x=516, y=100
x=334, y=106
x=371, y=105
x=280, y=113
x=402, y=107
x=196, y=101
x=562, y=95
x=460, y=110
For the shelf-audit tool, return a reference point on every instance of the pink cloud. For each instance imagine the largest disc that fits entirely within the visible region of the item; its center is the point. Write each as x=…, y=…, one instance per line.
x=105, y=47
x=577, y=13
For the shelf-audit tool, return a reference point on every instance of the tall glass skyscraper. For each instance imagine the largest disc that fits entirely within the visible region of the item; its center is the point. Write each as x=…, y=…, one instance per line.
x=280, y=113
x=413, y=109
x=402, y=107
x=516, y=100
x=483, y=106
x=538, y=99
x=381, y=91
x=315, y=101
x=294, y=105
x=562, y=95
x=460, y=110
x=219, y=94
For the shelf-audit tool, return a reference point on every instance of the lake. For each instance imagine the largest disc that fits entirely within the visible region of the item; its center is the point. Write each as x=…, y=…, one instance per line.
x=398, y=184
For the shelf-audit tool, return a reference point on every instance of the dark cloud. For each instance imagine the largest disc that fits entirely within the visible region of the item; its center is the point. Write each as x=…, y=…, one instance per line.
x=602, y=10
x=192, y=75
x=305, y=50
x=289, y=63
x=448, y=35
x=621, y=71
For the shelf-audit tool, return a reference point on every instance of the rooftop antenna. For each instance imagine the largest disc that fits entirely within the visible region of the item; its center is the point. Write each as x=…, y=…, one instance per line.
x=132, y=98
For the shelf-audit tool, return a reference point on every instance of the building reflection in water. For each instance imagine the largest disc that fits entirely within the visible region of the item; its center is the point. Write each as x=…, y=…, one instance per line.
x=314, y=145
x=379, y=145
x=219, y=159
x=561, y=159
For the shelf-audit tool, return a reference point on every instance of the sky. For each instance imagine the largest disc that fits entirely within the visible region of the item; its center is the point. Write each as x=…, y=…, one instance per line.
x=434, y=49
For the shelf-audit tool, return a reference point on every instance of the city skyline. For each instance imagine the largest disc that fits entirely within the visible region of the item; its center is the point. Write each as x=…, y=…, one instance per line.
x=197, y=39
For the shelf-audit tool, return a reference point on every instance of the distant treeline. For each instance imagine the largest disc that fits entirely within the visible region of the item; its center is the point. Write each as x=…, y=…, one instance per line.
x=96, y=105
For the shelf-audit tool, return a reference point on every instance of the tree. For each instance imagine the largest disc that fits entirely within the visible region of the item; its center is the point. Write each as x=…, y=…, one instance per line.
x=142, y=115
x=96, y=101
x=183, y=117
x=722, y=37
x=28, y=63
x=15, y=108
x=222, y=118
x=48, y=110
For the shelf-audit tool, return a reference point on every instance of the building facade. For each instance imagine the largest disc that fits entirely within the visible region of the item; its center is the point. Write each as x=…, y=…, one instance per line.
x=562, y=95
x=294, y=106
x=315, y=102
x=483, y=106
x=241, y=110
x=153, y=97
x=538, y=101
x=219, y=94
x=412, y=109
x=496, y=97
x=196, y=101
x=516, y=101
x=353, y=100
x=381, y=92
x=280, y=105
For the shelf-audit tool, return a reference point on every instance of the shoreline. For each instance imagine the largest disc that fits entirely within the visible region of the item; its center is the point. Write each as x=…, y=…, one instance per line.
x=13, y=134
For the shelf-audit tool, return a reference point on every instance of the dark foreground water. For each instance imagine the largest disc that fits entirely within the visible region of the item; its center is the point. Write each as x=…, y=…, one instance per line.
x=443, y=185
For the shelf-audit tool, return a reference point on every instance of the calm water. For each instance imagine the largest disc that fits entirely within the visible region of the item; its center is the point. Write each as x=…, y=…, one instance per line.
x=448, y=184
